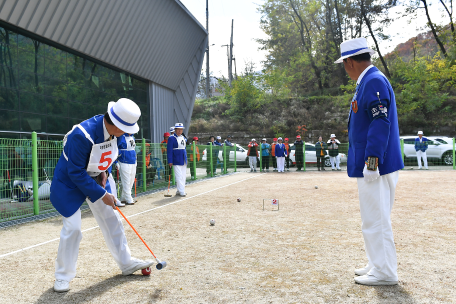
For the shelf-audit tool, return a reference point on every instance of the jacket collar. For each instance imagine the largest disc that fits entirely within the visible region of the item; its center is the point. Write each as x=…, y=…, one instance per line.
x=369, y=70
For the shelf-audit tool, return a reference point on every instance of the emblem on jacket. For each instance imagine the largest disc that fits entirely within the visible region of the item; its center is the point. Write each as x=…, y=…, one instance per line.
x=355, y=106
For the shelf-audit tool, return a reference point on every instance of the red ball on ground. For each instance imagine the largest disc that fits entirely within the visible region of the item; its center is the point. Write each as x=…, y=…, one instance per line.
x=146, y=271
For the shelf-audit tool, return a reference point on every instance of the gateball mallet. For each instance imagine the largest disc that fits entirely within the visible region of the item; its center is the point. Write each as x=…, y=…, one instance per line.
x=160, y=264
x=169, y=183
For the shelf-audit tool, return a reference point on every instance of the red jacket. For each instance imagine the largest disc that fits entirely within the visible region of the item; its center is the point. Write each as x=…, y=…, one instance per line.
x=253, y=148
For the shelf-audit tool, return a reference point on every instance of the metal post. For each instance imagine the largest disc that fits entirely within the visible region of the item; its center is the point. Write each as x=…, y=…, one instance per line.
x=454, y=157
x=143, y=144
x=235, y=160
x=36, y=205
x=208, y=92
x=174, y=177
x=194, y=158
x=402, y=151
x=211, y=161
x=225, y=159
x=304, y=156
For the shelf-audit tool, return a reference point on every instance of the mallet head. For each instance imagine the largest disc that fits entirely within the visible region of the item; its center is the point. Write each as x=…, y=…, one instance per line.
x=161, y=265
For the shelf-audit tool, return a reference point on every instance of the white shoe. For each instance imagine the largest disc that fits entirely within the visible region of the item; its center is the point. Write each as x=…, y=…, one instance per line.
x=120, y=204
x=373, y=281
x=183, y=194
x=129, y=202
x=61, y=285
x=362, y=271
x=137, y=264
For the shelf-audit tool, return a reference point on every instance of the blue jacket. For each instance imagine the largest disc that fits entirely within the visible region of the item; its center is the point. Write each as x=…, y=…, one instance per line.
x=177, y=157
x=229, y=143
x=373, y=128
x=421, y=146
x=280, y=150
x=71, y=184
x=265, y=149
x=126, y=156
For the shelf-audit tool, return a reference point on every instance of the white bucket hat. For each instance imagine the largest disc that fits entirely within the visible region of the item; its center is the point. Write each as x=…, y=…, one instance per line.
x=171, y=130
x=179, y=125
x=264, y=139
x=333, y=135
x=218, y=137
x=420, y=132
x=353, y=47
x=280, y=138
x=124, y=114
x=253, y=139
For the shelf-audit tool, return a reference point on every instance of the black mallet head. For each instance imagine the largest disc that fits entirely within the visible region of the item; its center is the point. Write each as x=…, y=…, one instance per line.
x=161, y=265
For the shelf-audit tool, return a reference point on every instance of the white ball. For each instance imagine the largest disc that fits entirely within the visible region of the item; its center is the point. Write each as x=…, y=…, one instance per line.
x=316, y=187
x=212, y=222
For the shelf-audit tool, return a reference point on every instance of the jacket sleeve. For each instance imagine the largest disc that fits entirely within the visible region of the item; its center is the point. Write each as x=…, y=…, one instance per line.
x=78, y=153
x=377, y=110
x=171, y=141
x=121, y=142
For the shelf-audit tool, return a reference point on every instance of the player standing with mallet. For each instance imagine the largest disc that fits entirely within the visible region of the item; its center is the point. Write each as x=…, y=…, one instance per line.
x=374, y=158
x=177, y=157
x=89, y=150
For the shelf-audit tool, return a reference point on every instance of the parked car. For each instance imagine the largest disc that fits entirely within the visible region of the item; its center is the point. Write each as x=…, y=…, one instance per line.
x=241, y=154
x=440, y=148
x=311, y=156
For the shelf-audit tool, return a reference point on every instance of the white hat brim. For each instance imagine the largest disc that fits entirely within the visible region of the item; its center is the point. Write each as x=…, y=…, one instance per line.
x=127, y=129
x=341, y=59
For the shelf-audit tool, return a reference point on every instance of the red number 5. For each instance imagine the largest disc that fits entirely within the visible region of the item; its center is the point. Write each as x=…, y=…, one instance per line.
x=105, y=159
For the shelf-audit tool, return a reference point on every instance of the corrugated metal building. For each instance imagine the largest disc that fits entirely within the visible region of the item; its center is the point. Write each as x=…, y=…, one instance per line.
x=73, y=56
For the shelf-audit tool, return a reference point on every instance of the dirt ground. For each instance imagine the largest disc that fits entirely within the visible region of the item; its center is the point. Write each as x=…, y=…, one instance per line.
x=304, y=253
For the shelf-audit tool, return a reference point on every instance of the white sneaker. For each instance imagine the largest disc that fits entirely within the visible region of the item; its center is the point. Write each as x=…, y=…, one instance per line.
x=182, y=194
x=61, y=285
x=362, y=271
x=129, y=202
x=137, y=264
x=120, y=204
x=373, y=281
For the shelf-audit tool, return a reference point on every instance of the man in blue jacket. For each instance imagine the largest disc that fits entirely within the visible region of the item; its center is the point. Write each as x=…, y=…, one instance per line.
x=280, y=153
x=421, y=145
x=177, y=157
x=127, y=166
x=89, y=150
x=374, y=158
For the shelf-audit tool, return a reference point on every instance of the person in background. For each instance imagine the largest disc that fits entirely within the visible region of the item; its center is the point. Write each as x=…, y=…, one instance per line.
x=320, y=151
x=127, y=165
x=299, y=153
x=421, y=145
x=333, y=149
x=192, y=160
x=177, y=157
x=171, y=131
x=218, y=161
x=287, y=157
x=253, y=154
x=163, y=147
x=280, y=152
x=229, y=147
x=228, y=141
x=265, y=147
x=274, y=159
x=209, y=170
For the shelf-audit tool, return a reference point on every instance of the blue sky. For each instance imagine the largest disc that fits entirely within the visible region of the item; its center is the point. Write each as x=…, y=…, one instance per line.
x=246, y=29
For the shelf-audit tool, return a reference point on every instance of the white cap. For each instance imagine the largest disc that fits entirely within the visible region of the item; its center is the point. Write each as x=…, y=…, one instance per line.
x=333, y=135
x=218, y=137
x=420, y=132
x=253, y=139
x=124, y=114
x=280, y=138
x=264, y=139
x=353, y=47
x=179, y=125
x=171, y=130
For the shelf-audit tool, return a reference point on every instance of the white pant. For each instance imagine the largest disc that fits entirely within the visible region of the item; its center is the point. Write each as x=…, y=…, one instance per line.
x=252, y=162
x=71, y=235
x=419, y=155
x=335, y=160
x=376, y=202
x=127, y=177
x=280, y=163
x=181, y=174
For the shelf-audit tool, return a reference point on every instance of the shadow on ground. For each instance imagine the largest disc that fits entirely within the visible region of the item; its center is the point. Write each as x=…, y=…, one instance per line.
x=91, y=292
x=395, y=293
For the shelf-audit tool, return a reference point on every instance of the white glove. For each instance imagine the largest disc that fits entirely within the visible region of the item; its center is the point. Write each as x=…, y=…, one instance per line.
x=118, y=166
x=370, y=176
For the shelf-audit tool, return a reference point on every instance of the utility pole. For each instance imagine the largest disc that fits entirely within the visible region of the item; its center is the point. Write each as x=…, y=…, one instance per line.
x=207, y=52
x=230, y=75
x=228, y=56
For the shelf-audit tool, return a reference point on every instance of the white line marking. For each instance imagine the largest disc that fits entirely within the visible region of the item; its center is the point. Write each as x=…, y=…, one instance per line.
x=136, y=214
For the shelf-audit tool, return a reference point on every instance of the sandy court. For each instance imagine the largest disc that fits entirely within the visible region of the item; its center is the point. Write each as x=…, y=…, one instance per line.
x=304, y=253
